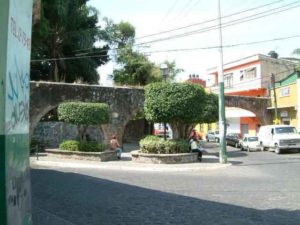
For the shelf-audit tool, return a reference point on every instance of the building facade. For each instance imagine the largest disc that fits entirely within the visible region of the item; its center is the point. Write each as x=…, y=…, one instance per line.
x=250, y=76
x=288, y=100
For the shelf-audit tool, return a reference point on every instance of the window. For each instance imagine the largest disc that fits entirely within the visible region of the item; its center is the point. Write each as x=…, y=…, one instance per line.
x=285, y=91
x=242, y=75
x=250, y=73
x=228, y=80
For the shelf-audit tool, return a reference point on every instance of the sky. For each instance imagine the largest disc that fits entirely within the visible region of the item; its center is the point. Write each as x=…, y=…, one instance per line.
x=156, y=16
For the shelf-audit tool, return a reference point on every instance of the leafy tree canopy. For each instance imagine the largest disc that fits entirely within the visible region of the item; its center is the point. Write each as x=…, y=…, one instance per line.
x=297, y=52
x=67, y=29
x=173, y=71
x=167, y=102
x=182, y=105
x=83, y=114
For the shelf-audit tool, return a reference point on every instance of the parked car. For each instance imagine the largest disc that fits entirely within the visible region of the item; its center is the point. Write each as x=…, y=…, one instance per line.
x=212, y=136
x=233, y=139
x=278, y=138
x=159, y=130
x=250, y=143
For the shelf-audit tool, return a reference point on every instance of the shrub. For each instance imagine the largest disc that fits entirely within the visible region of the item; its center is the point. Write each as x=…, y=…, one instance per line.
x=71, y=145
x=92, y=147
x=156, y=145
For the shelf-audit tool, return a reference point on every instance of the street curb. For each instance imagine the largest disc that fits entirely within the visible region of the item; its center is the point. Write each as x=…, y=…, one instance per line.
x=131, y=166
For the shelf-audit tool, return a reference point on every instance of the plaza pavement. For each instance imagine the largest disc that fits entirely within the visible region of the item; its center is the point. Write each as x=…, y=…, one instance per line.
x=210, y=161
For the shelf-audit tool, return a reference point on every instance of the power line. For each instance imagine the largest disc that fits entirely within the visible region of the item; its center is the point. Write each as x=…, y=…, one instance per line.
x=196, y=3
x=206, y=29
x=227, y=24
x=169, y=11
x=173, y=50
x=185, y=6
x=225, y=46
x=207, y=21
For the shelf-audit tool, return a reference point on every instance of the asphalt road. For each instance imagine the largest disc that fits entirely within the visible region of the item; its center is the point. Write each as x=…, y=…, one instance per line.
x=260, y=188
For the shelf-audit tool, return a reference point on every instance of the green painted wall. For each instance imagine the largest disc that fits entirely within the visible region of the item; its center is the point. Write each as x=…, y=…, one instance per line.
x=15, y=45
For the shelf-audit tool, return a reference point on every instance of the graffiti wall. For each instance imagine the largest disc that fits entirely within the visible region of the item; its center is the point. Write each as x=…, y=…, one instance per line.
x=15, y=24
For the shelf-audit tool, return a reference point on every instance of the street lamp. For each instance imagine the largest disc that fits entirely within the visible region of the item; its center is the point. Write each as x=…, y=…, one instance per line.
x=165, y=72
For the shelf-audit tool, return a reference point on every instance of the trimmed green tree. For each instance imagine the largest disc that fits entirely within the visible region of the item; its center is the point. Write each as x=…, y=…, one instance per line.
x=182, y=105
x=83, y=114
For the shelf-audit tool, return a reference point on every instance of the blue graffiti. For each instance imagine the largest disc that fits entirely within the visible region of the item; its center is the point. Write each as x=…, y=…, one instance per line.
x=14, y=95
x=18, y=97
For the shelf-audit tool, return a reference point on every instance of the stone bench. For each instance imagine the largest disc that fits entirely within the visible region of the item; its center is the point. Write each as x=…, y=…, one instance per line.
x=179, y=158
x=93, y=156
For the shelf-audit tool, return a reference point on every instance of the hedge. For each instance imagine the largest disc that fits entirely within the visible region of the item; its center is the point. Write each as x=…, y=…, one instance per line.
x=71, y=145
x=156, y=145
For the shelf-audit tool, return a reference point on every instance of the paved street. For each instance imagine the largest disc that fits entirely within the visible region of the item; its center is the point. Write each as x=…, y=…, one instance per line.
x=259, y=188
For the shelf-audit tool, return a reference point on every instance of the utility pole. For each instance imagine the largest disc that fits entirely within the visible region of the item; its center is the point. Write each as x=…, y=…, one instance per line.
x=165, y=72
x=275, y=98
x=222, y=130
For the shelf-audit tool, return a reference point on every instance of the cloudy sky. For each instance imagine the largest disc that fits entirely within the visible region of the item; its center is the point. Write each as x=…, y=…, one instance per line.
x=154, y=17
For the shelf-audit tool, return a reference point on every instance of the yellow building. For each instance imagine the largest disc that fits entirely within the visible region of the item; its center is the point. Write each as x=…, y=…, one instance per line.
x=288, y=100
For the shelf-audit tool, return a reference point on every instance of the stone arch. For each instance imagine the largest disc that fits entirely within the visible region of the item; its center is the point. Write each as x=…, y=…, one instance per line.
x=257, y=105
x=123, y=102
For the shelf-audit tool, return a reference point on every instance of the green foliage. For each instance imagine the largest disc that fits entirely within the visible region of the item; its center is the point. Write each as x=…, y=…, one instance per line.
x=119, y=35
x=211, y=109
x=81, y=113
x=156, y=145
x=173, y=71
x=71, y=145
x=92, y=147
x=67, y=28
x=297, y=52
x=169, y=102
x=135, y=69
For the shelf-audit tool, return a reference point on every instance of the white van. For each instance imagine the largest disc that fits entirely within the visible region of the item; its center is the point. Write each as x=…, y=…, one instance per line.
x=278, y=138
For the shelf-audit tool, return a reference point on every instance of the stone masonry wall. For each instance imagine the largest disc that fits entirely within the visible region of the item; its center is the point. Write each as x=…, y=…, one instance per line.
x=51, y=134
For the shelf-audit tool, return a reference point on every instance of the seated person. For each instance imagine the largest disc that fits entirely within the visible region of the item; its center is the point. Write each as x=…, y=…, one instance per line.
x=114, y=146
x=196, y=148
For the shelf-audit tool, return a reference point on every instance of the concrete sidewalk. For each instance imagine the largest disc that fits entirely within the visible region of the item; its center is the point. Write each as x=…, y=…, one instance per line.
x=209, y=162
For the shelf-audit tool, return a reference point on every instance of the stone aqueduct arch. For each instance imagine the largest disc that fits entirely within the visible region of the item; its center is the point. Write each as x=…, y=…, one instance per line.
x=124, y=103
x=257, y=105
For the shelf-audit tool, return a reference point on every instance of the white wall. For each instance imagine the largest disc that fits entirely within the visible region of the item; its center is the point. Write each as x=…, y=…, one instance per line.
x=234, y=125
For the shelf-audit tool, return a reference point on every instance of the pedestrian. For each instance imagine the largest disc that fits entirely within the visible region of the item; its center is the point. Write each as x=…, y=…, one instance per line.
x=196, y=148
x=114, y=146
x=194, y=135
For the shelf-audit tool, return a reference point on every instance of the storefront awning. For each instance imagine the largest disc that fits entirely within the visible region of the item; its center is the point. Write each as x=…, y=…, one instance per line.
x=233, y=112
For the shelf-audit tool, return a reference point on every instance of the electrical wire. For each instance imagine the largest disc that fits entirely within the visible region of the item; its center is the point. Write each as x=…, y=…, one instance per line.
x=173, y=50
x=227, y=24
x=170, y=10
x=208, y=21
x=203, y=22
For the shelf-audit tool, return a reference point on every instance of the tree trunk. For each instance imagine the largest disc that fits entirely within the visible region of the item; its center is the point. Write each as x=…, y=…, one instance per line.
x=82, y=133
x=181, y=130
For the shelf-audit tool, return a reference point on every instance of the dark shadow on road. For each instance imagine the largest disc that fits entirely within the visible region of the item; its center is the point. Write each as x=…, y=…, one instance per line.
x=236, y=154
x=68, y=198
